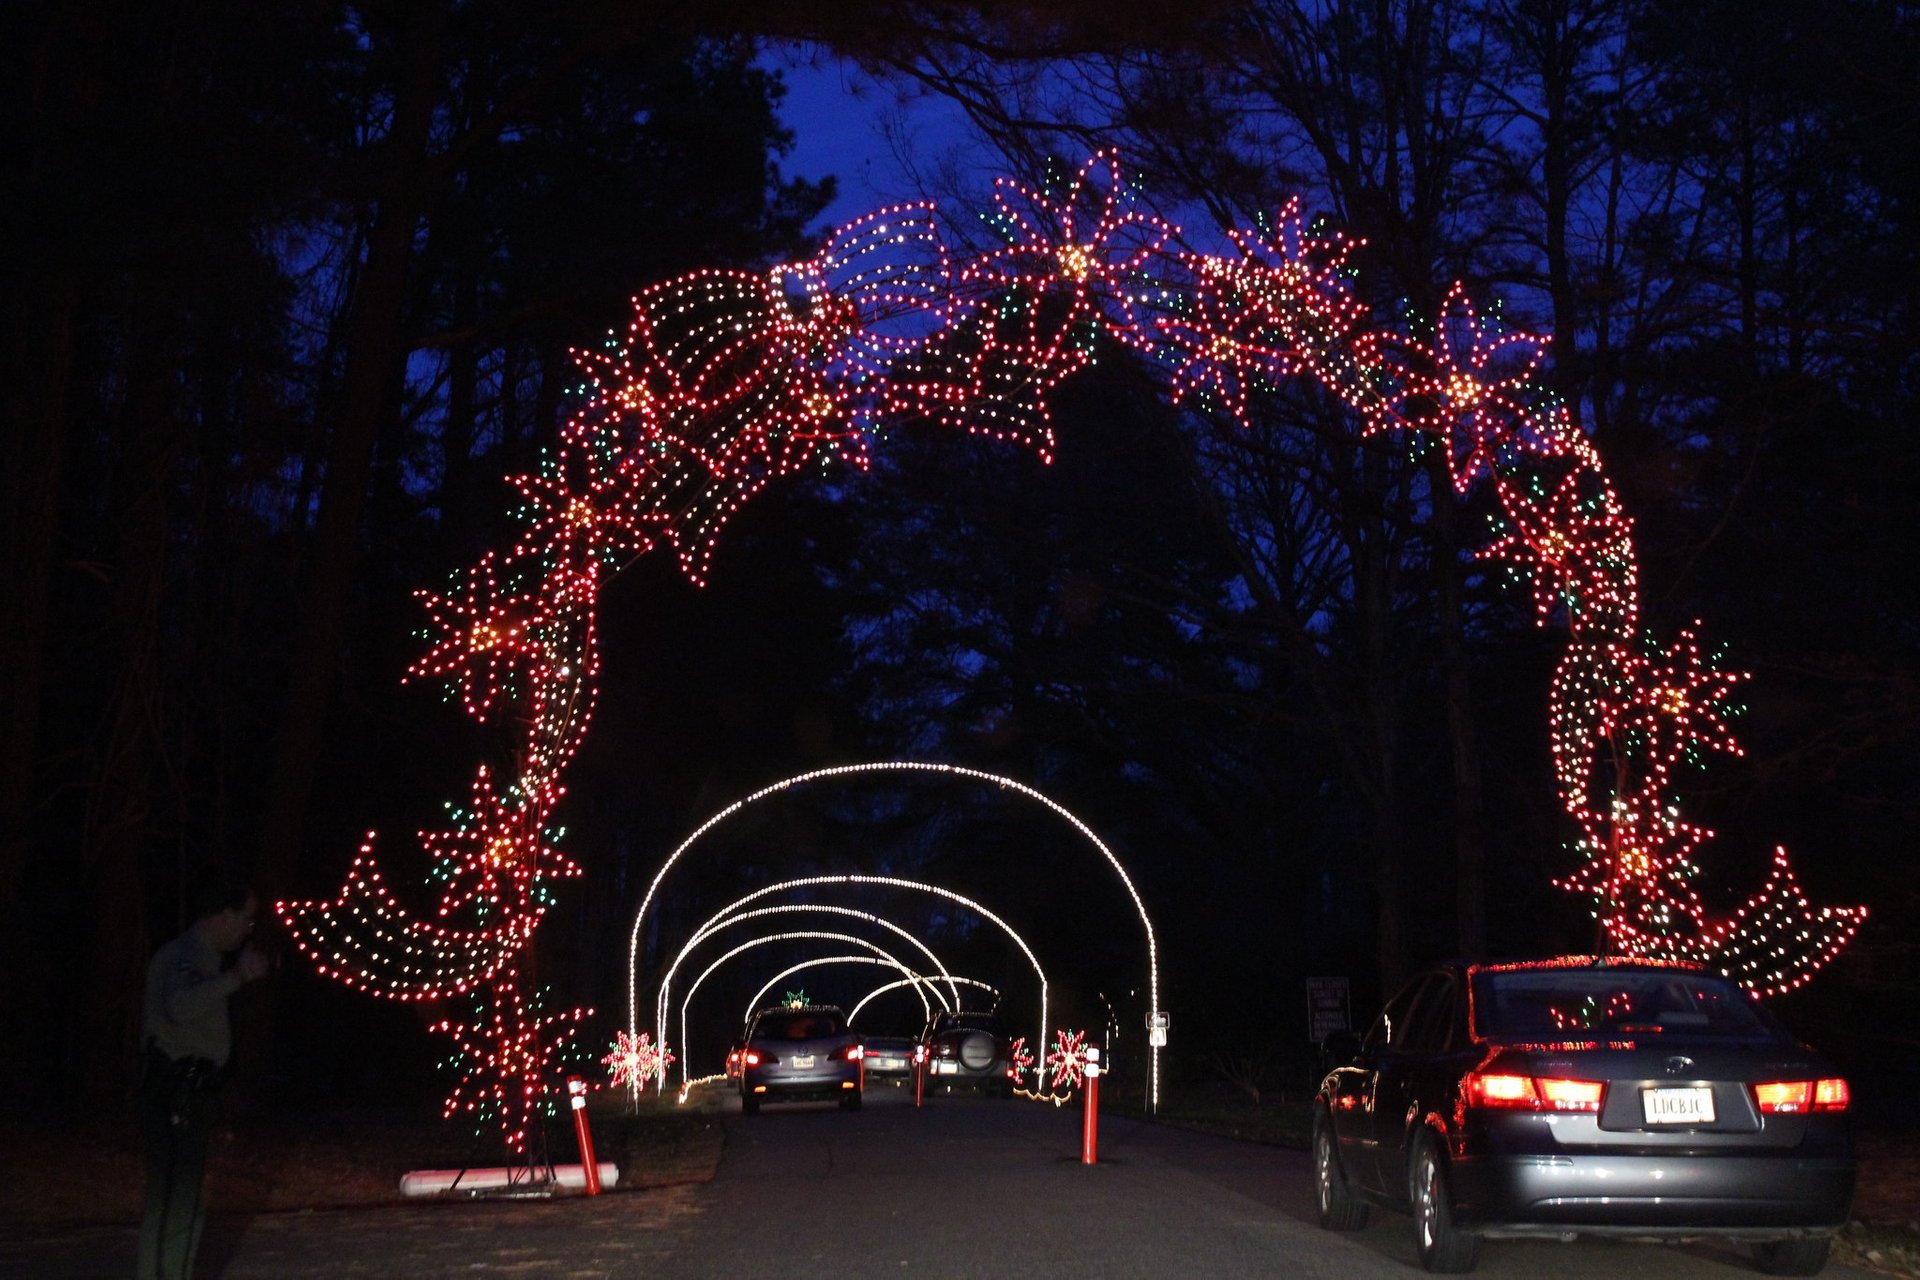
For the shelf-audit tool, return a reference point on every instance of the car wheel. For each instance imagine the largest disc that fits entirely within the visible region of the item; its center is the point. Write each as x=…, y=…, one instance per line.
x=1340, y=1209
x=1806, y=1256
x=850, y=1101
x=1442, y=1247
x=749, y=1105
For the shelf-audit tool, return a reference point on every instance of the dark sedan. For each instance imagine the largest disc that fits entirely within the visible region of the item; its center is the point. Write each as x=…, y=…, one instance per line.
x=1580, y=1096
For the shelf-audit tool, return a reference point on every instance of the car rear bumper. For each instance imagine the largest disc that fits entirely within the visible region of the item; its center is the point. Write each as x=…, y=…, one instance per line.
x=1677, y=1194
x=818, y=1084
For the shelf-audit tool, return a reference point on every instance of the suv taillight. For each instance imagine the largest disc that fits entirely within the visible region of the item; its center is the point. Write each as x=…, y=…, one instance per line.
x=759, y=1057
x=1792, y=1097
x=855, y=1053
x=1532, y=1093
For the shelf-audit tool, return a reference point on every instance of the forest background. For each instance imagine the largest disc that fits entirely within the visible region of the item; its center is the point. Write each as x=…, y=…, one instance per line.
x=291, y=289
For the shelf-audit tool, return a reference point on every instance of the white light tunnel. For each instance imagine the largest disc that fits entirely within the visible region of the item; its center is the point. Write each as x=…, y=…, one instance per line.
x=889, y=882
x=880, y=956
x=909, y=766
x=885, y=987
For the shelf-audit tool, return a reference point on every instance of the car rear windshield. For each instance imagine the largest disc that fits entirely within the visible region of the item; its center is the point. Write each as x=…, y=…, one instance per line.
x=799, y=1026
x=969, y=1022
x=1555, y=1004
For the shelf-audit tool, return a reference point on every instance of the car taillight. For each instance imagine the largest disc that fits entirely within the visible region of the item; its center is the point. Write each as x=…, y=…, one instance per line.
x=1791, y=1097
x=855, y=1053
x=1532, y=1093
x=759, y=1057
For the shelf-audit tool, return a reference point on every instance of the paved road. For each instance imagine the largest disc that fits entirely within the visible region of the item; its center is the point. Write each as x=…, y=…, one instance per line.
x=962, y=1188
x=968, y=1188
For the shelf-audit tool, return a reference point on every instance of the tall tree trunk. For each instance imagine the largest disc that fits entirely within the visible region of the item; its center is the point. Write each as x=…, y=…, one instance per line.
x=119, y=826
x=375, y=366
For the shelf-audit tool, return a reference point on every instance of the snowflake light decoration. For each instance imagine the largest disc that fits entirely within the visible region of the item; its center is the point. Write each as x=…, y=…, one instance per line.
x=635, y=1059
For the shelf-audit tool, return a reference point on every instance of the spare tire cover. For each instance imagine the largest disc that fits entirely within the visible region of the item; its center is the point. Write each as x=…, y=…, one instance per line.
x=976, y=1051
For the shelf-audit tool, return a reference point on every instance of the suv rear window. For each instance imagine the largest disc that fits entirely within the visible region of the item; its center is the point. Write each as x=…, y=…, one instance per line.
x=969, y=1022
x=1553, y=1004
x=798, y=1026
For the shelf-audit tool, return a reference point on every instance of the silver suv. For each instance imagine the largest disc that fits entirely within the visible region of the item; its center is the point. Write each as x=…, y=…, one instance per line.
x=795, y=1054
x=970, y=1050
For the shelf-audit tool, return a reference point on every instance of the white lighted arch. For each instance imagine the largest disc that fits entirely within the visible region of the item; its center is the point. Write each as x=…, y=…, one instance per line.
x=885, y=987
x=914, y=766
x=754, y=1004
x=713, y=924
x=881, y=956
x=889, y=882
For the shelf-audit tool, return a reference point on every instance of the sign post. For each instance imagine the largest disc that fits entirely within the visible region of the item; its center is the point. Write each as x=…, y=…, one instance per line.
x=1329, y=1007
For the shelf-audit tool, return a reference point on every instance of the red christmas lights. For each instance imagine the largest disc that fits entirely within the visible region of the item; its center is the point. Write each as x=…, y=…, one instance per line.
x=726, y=381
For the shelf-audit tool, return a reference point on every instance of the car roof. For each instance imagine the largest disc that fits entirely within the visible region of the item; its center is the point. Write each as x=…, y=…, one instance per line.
x=1589, y=962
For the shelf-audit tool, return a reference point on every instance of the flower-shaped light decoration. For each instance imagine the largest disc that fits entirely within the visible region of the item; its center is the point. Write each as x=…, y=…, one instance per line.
x=505, y=1060
x=1019, y=1057
x=583, y=507
x=1674, y=706
x=481, y=638
x=1575, y=545
x=1219, y=350
x=1093, y=246
x=636, y=1060
x=1292, y=280
x=495, y=857
x=795, y=1000
x=1068, y=1060
x=1472, y=386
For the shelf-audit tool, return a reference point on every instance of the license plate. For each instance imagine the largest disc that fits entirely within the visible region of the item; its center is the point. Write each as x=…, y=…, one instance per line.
x=803, y=1060
x=945, y=1068
x=890, y=1064
x=1677, y=1106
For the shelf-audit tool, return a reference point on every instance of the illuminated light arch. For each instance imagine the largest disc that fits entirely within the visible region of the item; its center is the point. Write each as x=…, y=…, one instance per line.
x=885, y=987
x=714, y=924
x=726, y=381
x=946, y=770
x=891, y=882
x=880, y=956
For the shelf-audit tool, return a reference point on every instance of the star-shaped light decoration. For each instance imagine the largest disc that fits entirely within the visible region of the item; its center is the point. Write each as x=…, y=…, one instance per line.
x=1069, y=1059
x=795, y=1000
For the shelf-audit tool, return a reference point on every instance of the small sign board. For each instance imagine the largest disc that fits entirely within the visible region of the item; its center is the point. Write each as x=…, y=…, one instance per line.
x=1329, y=1007
x=1157, y=1030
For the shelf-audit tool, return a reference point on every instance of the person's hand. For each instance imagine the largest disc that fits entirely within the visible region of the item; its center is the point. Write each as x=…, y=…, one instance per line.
x=253, y=963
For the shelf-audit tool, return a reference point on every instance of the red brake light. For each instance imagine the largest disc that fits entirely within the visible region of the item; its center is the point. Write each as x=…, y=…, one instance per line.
x=1532, y=1093
x=1783, y=1097
x=1791, y=1097
x=754, y=1057
x=855, y=1053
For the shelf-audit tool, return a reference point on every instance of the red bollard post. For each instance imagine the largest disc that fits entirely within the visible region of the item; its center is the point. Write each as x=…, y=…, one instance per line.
x=1090, y=1129
x=577, y=1088
x=919, y=1075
